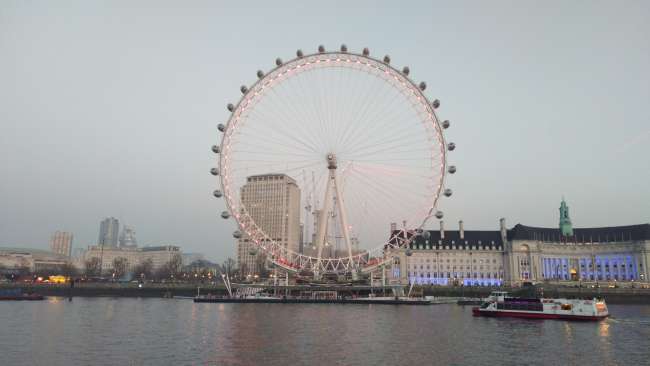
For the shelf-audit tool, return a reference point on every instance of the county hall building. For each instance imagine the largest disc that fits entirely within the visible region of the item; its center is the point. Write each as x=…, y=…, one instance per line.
x=524, y=253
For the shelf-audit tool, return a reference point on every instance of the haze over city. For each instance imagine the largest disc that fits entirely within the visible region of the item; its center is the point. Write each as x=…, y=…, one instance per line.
x=110, y=109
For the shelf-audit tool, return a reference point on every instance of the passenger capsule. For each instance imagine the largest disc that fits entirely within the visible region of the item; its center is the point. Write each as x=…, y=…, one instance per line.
x=278, y=61
x=447, y=192
x=439, y=214
x=436, y=104
x=216, y=149
x=387, y=59
x=451, y=169
x=409, y=252
x=217, y=193
x=366, y=51
x=214, y=171
x=406, y=70
x=344, y=48
x=446, y=124
x=321, y=49
x=231, y=107
x=236, y=234
x=260, y=74
x=426, y=234
x=451, y=146
x=243, y=89
x=423, y=85
x=221, y=127
x=225, y=214
x=299, y=54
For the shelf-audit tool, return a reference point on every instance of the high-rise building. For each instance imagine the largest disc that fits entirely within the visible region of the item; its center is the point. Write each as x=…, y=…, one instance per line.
x=61, y=243
x=127, y=237
x=108, y=230
x=273, y=202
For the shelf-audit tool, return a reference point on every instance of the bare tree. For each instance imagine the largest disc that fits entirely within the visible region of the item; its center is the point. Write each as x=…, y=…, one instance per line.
x=120, y=266
x=171, y=269
x=144, y=269
x=69, y=270
x=260, y=263
x=92, y=267
x=228, y=267
x=243, y=270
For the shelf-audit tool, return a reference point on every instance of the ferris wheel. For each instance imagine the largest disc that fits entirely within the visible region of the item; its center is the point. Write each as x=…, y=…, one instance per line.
x=332, y=160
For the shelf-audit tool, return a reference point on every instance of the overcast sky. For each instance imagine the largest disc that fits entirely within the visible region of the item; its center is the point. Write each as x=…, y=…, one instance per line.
x=110, y=108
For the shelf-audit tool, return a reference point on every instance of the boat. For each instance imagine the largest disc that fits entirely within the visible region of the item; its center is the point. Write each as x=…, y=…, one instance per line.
x=18, y=295
x=499, y=304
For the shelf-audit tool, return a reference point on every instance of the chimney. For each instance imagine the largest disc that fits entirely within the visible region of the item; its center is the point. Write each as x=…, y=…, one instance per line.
x=502, y=225
x=404, y=224
x=442, y=230
x=461, y=230
x=393, y=227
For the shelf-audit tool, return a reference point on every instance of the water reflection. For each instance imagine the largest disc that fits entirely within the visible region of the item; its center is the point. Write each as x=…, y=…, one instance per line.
x=106, y=331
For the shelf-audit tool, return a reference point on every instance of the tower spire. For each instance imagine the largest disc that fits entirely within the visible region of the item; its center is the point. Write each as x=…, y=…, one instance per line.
x=566, y=229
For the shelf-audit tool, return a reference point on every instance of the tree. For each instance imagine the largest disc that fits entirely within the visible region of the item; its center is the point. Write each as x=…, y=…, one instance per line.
x=144, y=269
x=69, y=270
x=260, y=263
x=228, y=267
x=120, y=266
x=92, y=267
x=170, y=269
x=243, y=271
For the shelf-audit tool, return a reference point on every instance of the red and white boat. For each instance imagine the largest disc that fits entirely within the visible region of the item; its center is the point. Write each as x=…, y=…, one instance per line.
x=499, y=304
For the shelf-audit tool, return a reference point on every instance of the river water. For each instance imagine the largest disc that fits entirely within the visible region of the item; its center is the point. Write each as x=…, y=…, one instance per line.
x=134, y=331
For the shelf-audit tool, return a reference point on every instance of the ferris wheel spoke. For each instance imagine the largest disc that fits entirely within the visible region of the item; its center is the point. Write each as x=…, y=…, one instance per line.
x=387, y=135
x=359, y=121
x=282, y=132
x=388, y=143
x=297, y=111
x=353, y=119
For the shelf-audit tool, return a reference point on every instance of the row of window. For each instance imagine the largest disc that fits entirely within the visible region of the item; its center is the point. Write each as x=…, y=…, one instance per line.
x=456, y=274
x=453, y=260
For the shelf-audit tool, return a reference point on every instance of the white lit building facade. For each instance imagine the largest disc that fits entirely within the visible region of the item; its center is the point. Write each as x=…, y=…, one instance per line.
x=273, y=202
x=524, y=253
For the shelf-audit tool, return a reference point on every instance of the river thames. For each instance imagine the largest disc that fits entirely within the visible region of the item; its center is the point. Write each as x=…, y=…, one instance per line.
x=134, y=331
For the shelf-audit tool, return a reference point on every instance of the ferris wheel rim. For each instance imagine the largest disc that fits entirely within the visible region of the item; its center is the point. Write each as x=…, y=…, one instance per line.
x=278, y=252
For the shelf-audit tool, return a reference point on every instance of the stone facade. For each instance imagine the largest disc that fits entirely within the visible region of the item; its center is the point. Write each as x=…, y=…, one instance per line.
x=524, y=254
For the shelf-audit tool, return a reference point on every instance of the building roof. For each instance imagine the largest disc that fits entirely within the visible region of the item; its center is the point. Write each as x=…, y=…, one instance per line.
x=594, y=234
x=484, y=239
x=36, y=253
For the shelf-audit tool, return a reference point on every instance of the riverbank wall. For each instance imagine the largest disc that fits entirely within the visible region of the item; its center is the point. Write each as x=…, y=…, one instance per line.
x=611, y=295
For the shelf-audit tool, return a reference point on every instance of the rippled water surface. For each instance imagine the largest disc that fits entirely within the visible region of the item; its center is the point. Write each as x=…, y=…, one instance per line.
x=131, y=331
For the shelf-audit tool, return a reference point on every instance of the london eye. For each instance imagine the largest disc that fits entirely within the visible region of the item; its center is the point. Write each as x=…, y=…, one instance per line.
x=360, y=139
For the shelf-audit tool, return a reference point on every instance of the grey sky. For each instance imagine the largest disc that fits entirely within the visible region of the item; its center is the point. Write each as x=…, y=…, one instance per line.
x=110, y=108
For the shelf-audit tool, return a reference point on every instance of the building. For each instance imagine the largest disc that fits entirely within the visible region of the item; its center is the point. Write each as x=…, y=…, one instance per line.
x=107, y=254
x=61, y=243
x=127, y=238
x=34, y=260
x=525, y=253
x=159, y=255
x=108, y=230
x=273, y=202
x=189, y=258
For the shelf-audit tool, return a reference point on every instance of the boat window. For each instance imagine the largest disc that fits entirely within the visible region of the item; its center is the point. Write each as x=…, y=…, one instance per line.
x=566, y=306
